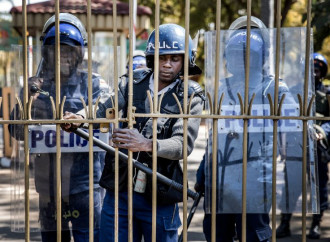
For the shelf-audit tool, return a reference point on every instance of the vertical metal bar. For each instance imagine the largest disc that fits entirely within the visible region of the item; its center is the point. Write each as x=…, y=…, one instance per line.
x=305, y=126
x=58, y=128
x=185, y=120
x=215, y=124
x=90, y=127
x=130, y=125
x=26, y=131
x=115, y=69
x=275, y=125
x=245, y=130
x=154, y=123
x=245, y=144
x=304, y=170
x=154, y=166
x=275, y=122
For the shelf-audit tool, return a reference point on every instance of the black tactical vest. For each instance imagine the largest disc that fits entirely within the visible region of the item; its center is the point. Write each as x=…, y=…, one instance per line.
x=169, y=168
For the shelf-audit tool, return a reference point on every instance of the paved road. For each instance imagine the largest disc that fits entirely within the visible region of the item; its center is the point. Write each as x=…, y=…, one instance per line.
x=195, y=232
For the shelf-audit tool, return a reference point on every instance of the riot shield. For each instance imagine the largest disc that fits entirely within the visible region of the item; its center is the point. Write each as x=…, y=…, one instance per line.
x=259, y=150
x=42, y=138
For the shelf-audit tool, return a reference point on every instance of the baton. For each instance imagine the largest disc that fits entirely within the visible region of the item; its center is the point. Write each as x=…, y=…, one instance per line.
x=191, y=213
x=123, y=157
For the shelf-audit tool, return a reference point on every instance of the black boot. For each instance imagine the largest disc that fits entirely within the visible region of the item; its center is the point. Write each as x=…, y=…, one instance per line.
x=284, y=229
x=315, y=231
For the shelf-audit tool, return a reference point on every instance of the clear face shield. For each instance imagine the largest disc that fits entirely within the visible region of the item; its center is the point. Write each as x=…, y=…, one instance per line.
x=236, y=49
x=74, y=86
x=260, y=131
x=70, y=59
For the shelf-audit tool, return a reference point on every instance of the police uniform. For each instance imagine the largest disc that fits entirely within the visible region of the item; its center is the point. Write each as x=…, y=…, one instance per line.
x=322, y=110
x=169, y=151
x=259, y=165
x=75, y=165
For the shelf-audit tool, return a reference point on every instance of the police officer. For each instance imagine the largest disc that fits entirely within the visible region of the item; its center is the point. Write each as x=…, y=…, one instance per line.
x=139, y=60
x=322, y=110
x=230, y=140
x=139, y=140
x=75, y=166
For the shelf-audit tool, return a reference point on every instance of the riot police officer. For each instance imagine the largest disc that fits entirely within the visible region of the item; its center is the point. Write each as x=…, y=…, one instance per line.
x=75, y=165
x=139, y=140
x=230, y=140
x=322, y=110
x=139, y=60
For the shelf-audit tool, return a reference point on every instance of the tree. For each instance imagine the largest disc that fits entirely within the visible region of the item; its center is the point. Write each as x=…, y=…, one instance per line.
x=320, y=22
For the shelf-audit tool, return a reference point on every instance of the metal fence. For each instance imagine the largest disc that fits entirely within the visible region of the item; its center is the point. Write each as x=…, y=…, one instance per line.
x=214, y=115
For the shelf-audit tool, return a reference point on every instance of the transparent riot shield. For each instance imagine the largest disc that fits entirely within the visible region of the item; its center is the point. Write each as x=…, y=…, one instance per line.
x=259, y=150
x=42, y=139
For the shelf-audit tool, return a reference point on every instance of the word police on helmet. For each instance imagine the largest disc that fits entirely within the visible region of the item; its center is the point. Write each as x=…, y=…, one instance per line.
x=171, y=42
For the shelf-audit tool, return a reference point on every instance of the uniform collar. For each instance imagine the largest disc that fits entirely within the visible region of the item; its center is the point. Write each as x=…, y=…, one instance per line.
x=164, y=90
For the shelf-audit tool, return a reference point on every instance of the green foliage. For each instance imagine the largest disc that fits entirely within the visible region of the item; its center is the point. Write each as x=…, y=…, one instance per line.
x=321, y=27
x=203, y=12
x=320, y=22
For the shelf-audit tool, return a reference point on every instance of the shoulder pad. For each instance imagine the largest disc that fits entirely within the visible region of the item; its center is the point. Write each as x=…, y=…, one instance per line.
x=96, y=75
x=138, y=75
x=141, y=74
x=193, y=87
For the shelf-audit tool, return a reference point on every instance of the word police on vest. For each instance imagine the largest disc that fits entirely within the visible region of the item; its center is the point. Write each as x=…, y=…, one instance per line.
x=260, y=125
x=42, y=139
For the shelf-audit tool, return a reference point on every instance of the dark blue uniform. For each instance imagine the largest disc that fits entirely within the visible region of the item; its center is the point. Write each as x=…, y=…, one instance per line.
x=230, y=225
x=323, y=172
x=322, y=108
x=74, y=165
x=229, y=168
x=169, y=137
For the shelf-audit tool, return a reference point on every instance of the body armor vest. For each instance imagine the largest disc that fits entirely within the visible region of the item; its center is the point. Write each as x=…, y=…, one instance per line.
x=168, y=168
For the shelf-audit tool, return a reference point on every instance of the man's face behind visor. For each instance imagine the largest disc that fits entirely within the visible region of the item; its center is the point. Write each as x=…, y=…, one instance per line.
x=69, y=59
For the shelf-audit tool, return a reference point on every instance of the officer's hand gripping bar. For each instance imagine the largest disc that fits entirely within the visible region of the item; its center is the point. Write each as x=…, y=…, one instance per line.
x=123, y=157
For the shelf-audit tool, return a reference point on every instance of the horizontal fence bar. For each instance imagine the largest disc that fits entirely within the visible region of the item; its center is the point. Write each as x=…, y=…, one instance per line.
x=96, y=121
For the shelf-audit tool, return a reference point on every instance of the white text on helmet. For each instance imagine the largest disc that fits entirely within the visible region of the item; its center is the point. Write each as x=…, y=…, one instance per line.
x=163, y=45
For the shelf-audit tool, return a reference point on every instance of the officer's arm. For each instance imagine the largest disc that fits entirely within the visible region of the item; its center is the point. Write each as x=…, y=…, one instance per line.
x=172, y=148
x=106, y=101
